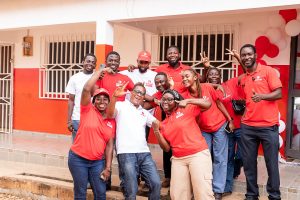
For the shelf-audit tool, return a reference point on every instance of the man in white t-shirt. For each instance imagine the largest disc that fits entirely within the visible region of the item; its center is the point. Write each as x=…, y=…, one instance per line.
x=74, y=88
x=143, y=75
x=132, y=150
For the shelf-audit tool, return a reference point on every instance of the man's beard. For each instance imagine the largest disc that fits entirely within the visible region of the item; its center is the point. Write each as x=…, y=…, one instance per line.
x=173, y=63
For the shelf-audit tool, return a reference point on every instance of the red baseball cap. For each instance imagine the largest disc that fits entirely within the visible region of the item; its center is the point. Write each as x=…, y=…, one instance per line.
x=144, y=56
x=101, y=91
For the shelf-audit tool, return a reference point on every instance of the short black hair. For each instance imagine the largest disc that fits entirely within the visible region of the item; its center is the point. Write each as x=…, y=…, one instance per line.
x=89, y=54
x=174, y=93
x=173, y=46
x=162, y=74
x=139, y=84
x=113, y=53
x=248, y=45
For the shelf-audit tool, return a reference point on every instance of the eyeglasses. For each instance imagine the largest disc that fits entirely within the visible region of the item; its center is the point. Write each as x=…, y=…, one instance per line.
x=139, y=93
x=168, y=100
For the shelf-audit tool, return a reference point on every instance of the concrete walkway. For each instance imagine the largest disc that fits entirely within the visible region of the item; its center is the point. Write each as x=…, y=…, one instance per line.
x=43, y=158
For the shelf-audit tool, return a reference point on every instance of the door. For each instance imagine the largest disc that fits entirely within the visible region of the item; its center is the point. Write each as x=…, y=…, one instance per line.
x=293, y=118
x=6, y=87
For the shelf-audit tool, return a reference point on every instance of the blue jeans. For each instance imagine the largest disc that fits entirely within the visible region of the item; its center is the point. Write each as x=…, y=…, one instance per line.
x=75, y=124
x=233, y=140
x=218, y=145
x=133, y=164
x=84, y=171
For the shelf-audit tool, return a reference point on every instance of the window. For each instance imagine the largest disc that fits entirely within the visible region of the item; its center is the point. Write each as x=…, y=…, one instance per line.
x=192, y=40
x=62, y=58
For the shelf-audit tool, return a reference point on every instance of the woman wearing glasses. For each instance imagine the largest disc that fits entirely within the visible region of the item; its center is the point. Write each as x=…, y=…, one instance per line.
x=191, y=161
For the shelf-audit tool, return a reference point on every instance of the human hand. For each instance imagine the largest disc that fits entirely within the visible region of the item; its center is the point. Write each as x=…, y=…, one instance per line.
x=182, y=103
x=233, y=53
x=105, y=174
x=204, y=60
x=156, y=101
x=256, y=97
x=131, y=67
x=70, y=126
x=171, y=82
x=231, y=126
x=120, y=90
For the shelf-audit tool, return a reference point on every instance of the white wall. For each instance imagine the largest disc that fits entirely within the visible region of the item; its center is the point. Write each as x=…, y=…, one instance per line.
x=251, y=25
x=28, y=13
x=16, y=37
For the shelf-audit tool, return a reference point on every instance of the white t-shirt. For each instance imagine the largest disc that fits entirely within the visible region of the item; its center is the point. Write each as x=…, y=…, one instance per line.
x=147, y=78
x=131, y=123
x=75, y=86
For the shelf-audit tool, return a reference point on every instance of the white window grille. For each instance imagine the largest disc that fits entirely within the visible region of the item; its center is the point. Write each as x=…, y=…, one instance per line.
x=62, y=57
x=213, y=39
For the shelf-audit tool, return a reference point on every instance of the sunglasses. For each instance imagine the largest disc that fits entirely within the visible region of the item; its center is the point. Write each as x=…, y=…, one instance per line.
x=139, y=93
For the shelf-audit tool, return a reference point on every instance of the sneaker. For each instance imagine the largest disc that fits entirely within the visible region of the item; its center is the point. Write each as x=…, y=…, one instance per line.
x=166, y=183
x=218, y=196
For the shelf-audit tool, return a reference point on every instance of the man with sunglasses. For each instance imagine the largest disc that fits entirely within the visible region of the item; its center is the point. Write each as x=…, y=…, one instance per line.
x=132, y=150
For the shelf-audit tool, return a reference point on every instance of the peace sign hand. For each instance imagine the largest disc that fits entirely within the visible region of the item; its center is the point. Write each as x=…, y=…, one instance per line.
x=120, y=91
x=204, y=60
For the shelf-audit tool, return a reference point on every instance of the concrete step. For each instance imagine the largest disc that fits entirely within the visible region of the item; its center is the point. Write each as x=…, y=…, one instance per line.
x=45, y=187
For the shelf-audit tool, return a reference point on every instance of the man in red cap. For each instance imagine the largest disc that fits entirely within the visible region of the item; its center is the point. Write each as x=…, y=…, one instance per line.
x=142, y=73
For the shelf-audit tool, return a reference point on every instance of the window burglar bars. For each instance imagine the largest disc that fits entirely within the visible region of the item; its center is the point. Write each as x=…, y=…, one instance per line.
x=213, y=39
x=62, y=57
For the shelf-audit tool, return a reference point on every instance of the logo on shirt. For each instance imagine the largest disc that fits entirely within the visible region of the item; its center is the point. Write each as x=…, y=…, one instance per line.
x=120, y=83
x=257, y=78
x=109, y=124
x=149, y=83
x=143, y=114
x=178, y=114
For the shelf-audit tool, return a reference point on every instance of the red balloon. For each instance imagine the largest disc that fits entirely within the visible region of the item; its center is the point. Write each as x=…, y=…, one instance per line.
x=262, y=44
x=288, y=14
x=260, y=53
x=262, y=62
x=273, y=51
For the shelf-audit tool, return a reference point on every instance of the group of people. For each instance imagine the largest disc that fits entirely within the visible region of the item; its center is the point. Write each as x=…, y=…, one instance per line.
x=203, y=137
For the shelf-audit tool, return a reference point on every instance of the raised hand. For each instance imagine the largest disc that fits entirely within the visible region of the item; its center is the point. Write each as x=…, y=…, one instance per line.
x=233, y=53
x=131, y=67
x=120, y=91
x=204, y=59
x=171, y=82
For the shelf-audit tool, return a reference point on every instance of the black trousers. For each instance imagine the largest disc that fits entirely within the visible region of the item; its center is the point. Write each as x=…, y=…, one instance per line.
x=166, y=155
x=251, y=137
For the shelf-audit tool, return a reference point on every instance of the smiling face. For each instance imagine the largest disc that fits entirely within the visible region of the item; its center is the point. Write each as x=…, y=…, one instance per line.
x=89, y=64
x=113, y=62
x=248, y=57
x=214, y=76
x=168, y=103
x=137, y=95
x=101, y=102
x=161, y=83
x=173, y=56
x=143, y=65
x=188, y=78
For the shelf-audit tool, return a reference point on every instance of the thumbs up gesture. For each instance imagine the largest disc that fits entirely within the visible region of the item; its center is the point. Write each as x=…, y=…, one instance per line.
x=256, y=97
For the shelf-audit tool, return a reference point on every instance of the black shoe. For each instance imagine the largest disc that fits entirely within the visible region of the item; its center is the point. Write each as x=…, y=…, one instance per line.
x=251, y=198
x=218, y=196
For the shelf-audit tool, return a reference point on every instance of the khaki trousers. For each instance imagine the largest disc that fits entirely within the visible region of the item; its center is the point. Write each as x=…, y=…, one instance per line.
x=192, y=174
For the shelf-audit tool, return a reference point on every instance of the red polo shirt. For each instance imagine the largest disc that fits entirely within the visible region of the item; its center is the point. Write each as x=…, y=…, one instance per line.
x=111, y=81
x=212, y=119
x=263, y=80
x=182, y=132
x=233, y=91
x=93, y=134
x=174, y=73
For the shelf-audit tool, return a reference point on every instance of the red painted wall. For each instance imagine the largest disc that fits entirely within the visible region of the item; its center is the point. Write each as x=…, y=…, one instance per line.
x=31, y=113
